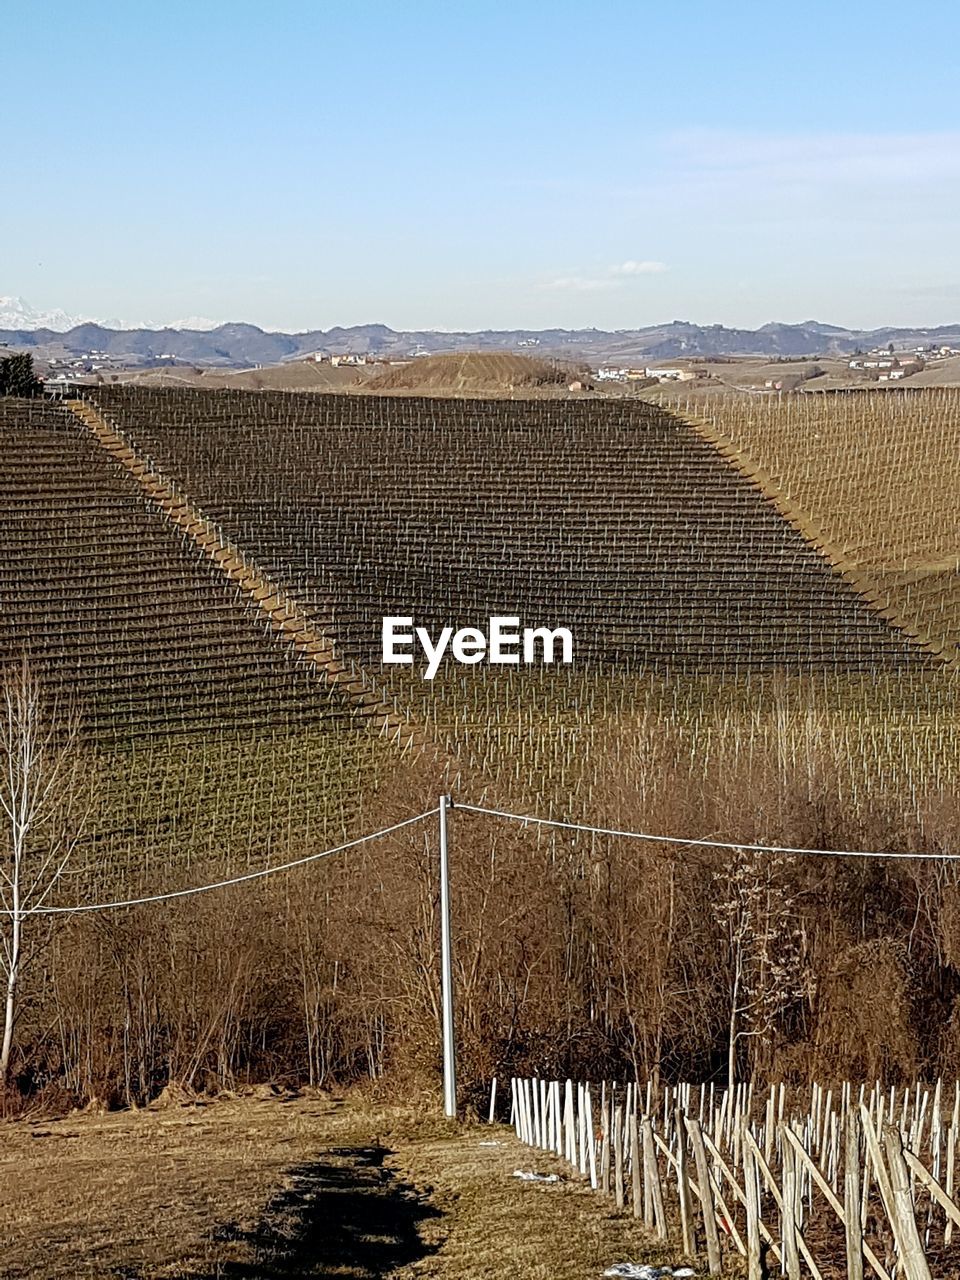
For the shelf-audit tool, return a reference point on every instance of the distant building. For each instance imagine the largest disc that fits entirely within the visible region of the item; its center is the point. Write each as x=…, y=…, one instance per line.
x=669, y=375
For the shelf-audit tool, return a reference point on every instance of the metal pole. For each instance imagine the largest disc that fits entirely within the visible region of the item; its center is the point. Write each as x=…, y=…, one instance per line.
x=446, y=970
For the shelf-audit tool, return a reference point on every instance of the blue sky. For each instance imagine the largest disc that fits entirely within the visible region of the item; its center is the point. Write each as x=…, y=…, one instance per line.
x=482, y=165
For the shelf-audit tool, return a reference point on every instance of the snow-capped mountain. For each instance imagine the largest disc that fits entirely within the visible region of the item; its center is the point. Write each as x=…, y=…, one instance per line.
x=16, y=313
x=197, y=324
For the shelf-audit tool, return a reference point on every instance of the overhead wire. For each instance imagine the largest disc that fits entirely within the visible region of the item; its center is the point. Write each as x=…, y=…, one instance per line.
x=220, y=884
x=704, y=841
x=526, y=819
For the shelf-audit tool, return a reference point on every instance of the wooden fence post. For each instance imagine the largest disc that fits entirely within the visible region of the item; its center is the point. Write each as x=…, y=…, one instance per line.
x=558, y=1119
x=569, y=1125
x=590, y=1137
x=605, y=1146
x=831, y=1199
x=582, y=1130
x=937, y=1192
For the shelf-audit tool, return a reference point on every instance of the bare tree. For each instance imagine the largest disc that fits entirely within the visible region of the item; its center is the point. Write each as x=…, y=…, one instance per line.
x=759, y=915
x=41, y=815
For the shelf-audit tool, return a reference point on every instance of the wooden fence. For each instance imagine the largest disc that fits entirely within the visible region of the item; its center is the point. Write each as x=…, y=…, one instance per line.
x=827, y=1182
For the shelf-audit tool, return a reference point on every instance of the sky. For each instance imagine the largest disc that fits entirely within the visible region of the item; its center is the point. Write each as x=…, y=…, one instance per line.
x=464, y=165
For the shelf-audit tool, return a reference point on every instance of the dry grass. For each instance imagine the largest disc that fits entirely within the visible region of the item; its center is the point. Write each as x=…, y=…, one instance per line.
x=295, y=375
x=498, y=1226
x=135, y=1193
x=473, y=372
x=307, y=1186
x=872, y=480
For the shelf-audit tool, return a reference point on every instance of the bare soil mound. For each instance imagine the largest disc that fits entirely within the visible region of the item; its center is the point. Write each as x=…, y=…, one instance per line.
x=476, y=371
x=297, y=375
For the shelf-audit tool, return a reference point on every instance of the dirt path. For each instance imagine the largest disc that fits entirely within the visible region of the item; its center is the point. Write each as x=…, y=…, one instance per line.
x=341, y=1215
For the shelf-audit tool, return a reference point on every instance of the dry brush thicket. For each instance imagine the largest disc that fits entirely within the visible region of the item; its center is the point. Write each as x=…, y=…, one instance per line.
x=729, y=684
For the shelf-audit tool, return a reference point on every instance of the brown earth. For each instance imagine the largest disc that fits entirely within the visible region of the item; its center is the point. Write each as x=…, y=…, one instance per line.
x=472, y=372
x=273, y=1185
x=299, y=375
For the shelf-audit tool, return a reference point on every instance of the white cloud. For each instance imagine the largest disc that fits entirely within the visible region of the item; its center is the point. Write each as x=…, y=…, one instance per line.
x=612, y=277
x=633, y=268
x=583, y=284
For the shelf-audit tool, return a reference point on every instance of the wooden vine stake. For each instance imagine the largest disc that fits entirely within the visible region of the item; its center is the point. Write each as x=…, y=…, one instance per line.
x=651, y=1178
x=683, y=1190
x=754, y=1267
x=894, y=1183
x=636, y=1166
x=901, y=1211
x=851, y=1197
x=714, y=1261
x=788, y=1213
x=618, y=1155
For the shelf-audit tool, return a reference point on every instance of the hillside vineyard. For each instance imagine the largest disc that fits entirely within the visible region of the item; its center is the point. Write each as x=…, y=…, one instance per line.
x=876, y=478
x=202, y=723
x=111, y=604
x=203, y=576
x=616, y=521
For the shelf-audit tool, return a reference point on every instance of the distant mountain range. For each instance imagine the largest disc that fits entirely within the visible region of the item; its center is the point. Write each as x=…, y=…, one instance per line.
x=243, y=345
x=17, y=314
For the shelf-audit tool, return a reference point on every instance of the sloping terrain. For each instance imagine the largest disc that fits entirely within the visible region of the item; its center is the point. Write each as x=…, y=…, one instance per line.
x=212, y=740
x=873, y=478
x=680, y=583
x=472, y=372
x=112, y=606
x=264, y=1188
x=295, y=375
x=728, y=679
x=613, y=520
